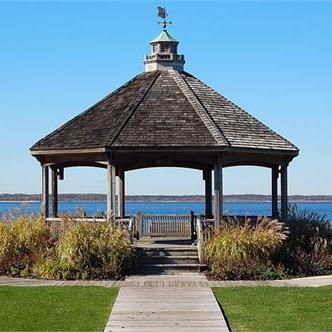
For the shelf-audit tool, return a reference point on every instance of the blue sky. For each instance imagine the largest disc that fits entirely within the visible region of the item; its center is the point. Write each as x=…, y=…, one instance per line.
x=272, y=58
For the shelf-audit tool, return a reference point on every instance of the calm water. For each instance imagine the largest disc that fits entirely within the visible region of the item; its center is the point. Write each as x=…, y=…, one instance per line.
x=232, y=208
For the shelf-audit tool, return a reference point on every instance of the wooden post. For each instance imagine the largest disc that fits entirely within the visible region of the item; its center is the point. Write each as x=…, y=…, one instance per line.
x=284, y=194
x=121, y=194
x=54, y=193
x=110, y=191
x=192, y=225
x=218, y=194
x=274, y=192
x=45, y=192
x=207, y=176
x=61, y=173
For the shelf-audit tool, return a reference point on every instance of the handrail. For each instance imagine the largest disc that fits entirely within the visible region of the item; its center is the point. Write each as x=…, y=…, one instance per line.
x=75, y=219
x=200, y=238
x=131, y=228
x=204, y=230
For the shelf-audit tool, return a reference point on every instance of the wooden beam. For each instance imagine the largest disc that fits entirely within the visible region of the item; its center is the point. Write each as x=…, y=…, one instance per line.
x=208, y=192
x=284, y=193
x=67, y=151
x=45, y=192
x=218, y=194
x=61, y=173
x=274, y=191
x=110, y=192
x=121, y=193
x=54, y=193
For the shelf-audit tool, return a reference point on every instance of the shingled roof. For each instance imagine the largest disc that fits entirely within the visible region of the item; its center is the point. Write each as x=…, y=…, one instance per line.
x=164, y=109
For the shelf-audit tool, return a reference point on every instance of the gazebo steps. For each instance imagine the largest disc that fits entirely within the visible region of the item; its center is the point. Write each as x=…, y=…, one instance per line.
x=156, y=259
x=167, y=258
x=169, y=268
x=160, y=252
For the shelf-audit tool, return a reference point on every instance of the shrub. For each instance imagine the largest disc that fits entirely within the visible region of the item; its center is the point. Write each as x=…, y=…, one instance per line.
x=22, y=242
x=90, y=250
x=308, y=249
x=242, y=249
x=29, y=247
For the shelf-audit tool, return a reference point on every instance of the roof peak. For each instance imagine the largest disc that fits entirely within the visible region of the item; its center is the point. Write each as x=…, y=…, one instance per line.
x=164, y=36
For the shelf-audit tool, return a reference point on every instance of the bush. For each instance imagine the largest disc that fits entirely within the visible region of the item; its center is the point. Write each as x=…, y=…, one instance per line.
x=85, y=250
x=22, y=242
x=308, y=249
x=242, y=249
x=90, y=250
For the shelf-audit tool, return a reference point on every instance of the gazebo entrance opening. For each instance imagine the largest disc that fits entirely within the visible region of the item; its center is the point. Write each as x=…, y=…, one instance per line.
x=168, y=186
x=161, y=218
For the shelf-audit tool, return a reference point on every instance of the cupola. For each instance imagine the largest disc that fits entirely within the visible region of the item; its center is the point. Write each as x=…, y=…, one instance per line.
x=164, y=55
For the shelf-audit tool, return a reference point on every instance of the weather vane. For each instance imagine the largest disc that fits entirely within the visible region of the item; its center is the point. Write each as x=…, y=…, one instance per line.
x=163, y=14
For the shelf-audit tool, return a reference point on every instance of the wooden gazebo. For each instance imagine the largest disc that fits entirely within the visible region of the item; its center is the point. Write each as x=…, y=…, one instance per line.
x=164, y=117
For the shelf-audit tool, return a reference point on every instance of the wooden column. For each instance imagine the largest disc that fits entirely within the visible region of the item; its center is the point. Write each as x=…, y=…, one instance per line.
x=274, y=191
x=45, y=192
x=284, y=193
x=207, y=176
x=218, y=194
x=110, y=191
x=121, y=194
x=61, y=173
x=54, y=193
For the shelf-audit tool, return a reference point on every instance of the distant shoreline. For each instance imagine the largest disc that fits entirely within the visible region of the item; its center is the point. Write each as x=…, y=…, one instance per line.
x=226, y=201
x=100, y=198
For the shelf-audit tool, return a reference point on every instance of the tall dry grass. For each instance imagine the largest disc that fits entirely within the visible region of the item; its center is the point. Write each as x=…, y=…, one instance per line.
x=22, y=243
x=70, y=250
x=90, y=250
x=242, y=249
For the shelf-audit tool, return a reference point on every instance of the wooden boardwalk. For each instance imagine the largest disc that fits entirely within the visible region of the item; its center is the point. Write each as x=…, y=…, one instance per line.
x=166, y=309
x=174, y=281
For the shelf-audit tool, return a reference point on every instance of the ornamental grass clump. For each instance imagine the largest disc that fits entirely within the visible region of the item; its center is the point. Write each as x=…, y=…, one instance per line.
x=23, y=242
x=93, y=250
x=242, y=249
x=69, y=250
x=308, y=249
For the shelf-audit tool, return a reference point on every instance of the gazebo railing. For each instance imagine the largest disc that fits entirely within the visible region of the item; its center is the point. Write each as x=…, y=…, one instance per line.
x=57, y=224
x=204, y=230
x=166, y=225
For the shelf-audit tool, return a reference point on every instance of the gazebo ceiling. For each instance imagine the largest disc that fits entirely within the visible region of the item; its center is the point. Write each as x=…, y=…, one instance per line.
x=164, y=109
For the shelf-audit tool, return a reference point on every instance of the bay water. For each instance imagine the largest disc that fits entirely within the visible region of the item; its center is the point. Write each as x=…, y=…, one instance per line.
x=230, y=208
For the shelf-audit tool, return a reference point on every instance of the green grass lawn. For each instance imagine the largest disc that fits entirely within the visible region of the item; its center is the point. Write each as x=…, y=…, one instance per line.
x=55, y=308
x=277, y=309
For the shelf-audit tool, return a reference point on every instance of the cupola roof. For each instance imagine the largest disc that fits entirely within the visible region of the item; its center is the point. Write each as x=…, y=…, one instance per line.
x=164, y=36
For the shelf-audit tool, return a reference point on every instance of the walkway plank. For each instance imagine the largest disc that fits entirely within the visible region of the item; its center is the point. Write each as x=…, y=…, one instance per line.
x=166, y=309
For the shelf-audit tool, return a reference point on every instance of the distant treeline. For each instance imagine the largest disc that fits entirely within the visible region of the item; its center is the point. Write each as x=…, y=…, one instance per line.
x=162, y=198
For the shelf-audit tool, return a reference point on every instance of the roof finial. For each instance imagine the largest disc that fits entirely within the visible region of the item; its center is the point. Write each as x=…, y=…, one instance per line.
x=163, y=14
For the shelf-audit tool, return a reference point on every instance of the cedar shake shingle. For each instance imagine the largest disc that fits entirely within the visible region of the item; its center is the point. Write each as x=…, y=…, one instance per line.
x=164, y=109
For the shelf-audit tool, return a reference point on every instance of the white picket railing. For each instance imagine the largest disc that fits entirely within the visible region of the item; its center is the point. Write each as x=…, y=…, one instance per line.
x=204, y=231
x=166, y=225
